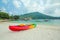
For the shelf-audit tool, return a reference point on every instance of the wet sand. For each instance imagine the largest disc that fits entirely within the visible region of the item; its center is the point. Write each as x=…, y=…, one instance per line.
x=41, y=32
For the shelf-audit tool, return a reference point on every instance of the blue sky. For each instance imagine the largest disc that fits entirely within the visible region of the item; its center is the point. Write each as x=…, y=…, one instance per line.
x=48, y=7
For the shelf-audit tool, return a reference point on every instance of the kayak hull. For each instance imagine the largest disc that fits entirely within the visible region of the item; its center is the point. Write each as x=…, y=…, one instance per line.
x=18, y=28
x=21, y=27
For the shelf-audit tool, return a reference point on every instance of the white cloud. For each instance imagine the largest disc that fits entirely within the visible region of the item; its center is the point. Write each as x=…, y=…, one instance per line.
x=10, y=12
x=38, y=5
x=33, y=5
x=57, y=12
x=26, y=2
x=5, y=1
x=53, y=9
x=16, y=3
x=3, y=9
x=56, y=4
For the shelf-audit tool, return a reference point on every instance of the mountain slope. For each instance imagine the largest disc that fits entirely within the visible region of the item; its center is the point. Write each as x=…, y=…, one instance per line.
x=37, y=15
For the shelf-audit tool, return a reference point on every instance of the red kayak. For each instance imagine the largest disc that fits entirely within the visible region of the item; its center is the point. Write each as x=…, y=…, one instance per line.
x=18, y=28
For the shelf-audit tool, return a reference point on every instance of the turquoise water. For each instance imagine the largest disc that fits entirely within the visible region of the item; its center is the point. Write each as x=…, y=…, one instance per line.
x=48, y=22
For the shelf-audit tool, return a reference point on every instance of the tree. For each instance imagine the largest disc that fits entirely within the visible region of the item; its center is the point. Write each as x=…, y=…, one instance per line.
x=4, y=15
x=16, y=17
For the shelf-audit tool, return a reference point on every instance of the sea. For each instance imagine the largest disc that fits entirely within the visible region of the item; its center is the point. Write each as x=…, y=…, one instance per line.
x=55, y=22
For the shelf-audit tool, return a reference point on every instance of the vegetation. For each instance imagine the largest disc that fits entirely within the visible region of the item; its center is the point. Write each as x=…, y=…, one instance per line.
x=37, y=15
x=15, y=17
x=28, y=16
x=4, y=15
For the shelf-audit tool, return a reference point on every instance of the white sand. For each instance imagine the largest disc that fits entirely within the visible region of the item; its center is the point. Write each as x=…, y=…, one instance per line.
x=41, y=32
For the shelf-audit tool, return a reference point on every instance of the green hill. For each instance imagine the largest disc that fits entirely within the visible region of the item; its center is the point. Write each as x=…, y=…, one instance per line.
x=37, y=15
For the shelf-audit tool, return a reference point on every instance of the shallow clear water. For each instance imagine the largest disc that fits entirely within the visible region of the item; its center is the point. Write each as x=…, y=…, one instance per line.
x=48, y=22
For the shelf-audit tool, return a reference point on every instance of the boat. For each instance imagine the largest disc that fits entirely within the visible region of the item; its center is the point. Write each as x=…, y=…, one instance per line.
x=22, y=27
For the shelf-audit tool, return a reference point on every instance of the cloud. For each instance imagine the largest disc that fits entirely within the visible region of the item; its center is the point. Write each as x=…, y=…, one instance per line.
x=53, y=9
x=16, y=3
x=33, y=5
x=3, y=9
x=10, y=12
x=36, y=5
x=5, y=1
x=56, y=4
x=57, y=12
x=26, y=2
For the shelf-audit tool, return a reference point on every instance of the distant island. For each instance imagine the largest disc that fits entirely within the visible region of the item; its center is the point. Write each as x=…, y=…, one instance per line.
x=36, y=15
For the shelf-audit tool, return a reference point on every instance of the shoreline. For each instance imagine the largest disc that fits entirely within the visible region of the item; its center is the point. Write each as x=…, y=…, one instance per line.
x=39, y=25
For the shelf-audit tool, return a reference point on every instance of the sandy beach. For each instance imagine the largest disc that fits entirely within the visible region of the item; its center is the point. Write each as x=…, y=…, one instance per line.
x=41, y=32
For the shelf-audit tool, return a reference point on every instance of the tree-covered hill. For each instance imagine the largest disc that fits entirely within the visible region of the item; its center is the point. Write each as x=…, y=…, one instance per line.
x=37, y=15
